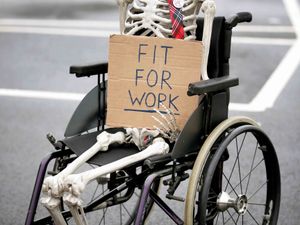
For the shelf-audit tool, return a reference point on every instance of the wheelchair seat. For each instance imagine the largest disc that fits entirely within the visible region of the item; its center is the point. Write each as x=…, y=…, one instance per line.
x=79, y=144
x=83, y=120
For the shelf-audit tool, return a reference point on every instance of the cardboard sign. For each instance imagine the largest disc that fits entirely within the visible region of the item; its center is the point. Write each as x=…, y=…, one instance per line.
x=146, y=71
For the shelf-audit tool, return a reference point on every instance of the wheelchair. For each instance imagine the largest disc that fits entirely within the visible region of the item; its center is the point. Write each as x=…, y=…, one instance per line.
x=230, y=163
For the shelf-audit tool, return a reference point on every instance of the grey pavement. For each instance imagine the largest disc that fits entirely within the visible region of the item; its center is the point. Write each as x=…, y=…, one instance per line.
x=40, y=62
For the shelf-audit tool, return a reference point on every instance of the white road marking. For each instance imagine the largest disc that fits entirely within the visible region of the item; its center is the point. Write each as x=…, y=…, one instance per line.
x=262, y=41
x=269, y=93
x=91, y=28
x=85, y=24
x=293, y=10
x=57, y=31
x=41, y=94
x=106, y=33
x=263, y=29
x=114, y=25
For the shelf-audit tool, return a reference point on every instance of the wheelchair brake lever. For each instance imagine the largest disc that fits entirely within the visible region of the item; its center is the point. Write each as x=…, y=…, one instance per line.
x=57, y=145
x=173, y=185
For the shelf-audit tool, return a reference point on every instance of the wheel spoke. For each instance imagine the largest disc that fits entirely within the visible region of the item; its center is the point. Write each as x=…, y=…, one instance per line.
x=92, y=198
x=239, y=165
x=127, y=211
x=120, y=214
x=217, y=218
x=248, y=174
x=252, y=203
x=235, y=160
x=252, y=163
x=231, y=216
x=233, y=189
x=252, y=217
x=212, y=202
x=258, y=190
x=237, y=219
x=103, y=217
x=223, y=218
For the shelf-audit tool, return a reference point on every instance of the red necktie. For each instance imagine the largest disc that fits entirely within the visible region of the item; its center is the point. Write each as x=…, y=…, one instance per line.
x=177, y=21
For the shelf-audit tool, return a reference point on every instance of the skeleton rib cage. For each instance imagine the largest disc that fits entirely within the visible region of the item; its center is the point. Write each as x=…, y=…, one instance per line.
x=152, y=18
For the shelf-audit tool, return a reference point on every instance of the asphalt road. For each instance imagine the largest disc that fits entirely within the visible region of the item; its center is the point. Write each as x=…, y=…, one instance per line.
x=35, y=56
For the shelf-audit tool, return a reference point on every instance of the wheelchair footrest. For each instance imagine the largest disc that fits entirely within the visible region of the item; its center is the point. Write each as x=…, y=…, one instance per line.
x=176, y=198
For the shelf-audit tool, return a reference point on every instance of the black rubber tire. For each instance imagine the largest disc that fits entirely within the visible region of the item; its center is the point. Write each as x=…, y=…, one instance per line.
x=216, y=179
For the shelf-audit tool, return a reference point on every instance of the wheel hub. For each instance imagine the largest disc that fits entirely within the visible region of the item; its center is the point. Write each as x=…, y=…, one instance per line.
x=240, y=204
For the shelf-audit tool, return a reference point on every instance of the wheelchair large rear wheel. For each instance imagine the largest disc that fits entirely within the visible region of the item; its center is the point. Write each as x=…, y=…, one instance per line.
x=240, y=182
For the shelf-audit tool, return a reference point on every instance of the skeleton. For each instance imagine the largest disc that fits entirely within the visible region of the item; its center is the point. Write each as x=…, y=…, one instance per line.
x=150, y=18
x=70, y=186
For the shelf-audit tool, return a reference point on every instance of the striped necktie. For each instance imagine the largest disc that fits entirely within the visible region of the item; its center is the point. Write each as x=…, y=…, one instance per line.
x=177, y=21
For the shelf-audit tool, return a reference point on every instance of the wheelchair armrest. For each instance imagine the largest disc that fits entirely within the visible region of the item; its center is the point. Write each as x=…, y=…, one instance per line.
x=89, y=70
x=212, y=85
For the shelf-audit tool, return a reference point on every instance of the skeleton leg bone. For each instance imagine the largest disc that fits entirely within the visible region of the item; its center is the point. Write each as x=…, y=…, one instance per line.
x=74, y=184
x=53, y=187
x=52, y=204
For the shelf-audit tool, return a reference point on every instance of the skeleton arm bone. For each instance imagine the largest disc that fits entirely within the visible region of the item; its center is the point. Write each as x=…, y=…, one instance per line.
x=74, y=184
x=123, y=5
x=209, y=9
x=54, y=183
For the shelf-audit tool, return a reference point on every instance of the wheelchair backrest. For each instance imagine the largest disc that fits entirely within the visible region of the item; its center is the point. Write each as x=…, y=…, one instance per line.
x=189, y=139
x=219, y=52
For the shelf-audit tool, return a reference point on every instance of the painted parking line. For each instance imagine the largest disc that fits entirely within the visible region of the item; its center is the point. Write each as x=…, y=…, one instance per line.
x=114, y=25
x=86, y=24
x=263, y=41
x=20, y=93
x=269, y=93
x=57, y=31
x=106, y=33
x=263, y=29
x=90, y=28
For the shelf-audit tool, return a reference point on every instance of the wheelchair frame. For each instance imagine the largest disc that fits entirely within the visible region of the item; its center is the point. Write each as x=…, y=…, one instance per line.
x=207, y=127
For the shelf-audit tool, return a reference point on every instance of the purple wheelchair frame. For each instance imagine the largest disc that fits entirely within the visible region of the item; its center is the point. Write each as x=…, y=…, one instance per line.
x=146, y=192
